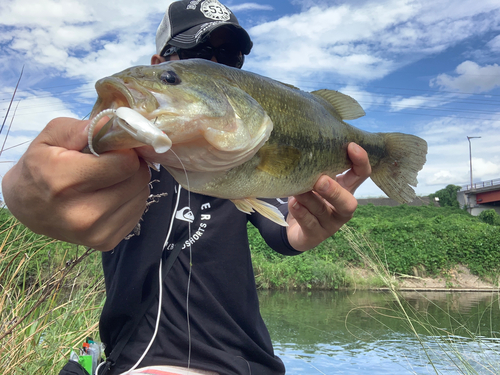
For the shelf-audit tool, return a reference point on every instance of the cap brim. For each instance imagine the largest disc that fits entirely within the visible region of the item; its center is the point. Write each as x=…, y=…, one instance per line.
x=197, y=34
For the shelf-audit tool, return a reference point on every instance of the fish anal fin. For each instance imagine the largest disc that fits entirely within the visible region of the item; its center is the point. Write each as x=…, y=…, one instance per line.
x=347, y=107
x=249, y=205
x=278, y=160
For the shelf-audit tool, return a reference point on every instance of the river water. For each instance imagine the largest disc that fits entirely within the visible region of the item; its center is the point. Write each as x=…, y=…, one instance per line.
x=366, y=332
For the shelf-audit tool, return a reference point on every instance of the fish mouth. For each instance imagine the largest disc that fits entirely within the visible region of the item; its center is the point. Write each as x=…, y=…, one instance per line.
x=114, y=93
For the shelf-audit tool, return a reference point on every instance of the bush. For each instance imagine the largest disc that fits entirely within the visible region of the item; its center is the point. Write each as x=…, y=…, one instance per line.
x=447, y=196
x=490, y=217
x=403, y=238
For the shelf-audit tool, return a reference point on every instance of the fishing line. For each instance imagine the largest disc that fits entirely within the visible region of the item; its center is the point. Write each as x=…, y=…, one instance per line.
x=188, y=287
x=160, y=278
x=160, y=282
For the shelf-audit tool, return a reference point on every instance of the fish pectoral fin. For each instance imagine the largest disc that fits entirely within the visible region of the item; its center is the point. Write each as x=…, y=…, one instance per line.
x=347, y=107
x=278, y=160
x=249, y=205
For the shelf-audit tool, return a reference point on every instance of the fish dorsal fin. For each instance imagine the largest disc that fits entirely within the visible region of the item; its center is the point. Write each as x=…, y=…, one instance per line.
x=289, y=85
x=347, y=107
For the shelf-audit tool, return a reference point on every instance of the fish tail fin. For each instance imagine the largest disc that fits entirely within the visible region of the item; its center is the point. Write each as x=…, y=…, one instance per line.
x=398, y=169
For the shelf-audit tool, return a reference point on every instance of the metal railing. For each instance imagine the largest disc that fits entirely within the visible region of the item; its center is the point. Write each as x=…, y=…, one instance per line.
x=480, y=185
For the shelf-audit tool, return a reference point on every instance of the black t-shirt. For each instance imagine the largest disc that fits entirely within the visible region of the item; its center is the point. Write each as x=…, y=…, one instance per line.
x=227, y=333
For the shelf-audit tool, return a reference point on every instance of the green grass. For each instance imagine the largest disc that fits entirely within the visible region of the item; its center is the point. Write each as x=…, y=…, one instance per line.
x=50, y=299
x=52, y=292
x=430, y=239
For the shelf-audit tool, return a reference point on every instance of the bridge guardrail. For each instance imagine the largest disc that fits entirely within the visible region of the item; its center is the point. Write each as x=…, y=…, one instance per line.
x=482, y=184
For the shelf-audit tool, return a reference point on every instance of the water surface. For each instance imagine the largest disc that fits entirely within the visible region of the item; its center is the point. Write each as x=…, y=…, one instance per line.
x=365, y=332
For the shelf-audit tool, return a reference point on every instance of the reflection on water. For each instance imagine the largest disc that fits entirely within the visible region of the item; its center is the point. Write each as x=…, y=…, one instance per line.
x=365, y=332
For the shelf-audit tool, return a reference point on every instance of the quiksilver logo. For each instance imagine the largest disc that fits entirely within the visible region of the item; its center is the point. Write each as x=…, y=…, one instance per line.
x=185, y=214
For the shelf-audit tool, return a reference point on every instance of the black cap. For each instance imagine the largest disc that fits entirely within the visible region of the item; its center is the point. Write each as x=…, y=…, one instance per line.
x=187, y=23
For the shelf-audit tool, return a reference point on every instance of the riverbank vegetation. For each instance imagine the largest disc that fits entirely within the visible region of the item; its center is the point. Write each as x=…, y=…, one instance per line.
x=50, y=299
x=407, y=240
x=52, y=292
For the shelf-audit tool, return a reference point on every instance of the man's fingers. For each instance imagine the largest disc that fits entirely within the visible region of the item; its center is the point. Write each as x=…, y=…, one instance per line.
x=69, y=133
x=359, y=171
x=65, y=132
x=318, y=214
x=104, y=233
x=61, y=144
x=89, y=172
x=328, y=207
x=308, y=210
x=77, y=197
x=340, y=199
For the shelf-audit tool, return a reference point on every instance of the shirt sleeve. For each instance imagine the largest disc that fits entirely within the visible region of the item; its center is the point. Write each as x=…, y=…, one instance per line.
x=274, y=234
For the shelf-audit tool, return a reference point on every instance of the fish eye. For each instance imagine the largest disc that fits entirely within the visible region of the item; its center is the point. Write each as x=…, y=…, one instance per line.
x=170, y=78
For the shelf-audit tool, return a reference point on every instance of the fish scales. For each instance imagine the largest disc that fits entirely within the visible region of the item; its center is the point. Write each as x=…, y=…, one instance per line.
x=241, y=136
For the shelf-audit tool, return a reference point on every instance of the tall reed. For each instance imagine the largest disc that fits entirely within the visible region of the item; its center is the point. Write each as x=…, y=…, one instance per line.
x=50, y=300
x=456, y=347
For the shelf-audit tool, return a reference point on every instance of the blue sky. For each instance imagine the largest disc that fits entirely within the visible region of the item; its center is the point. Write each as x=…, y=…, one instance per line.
x=428, y=68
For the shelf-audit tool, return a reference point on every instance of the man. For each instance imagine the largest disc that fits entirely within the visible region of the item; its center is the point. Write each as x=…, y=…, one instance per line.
x=203, y=313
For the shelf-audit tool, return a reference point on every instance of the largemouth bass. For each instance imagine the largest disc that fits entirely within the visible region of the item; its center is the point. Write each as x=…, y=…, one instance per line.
x=233, y=134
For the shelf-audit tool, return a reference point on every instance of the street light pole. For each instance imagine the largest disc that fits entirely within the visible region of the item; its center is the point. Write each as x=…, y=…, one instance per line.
x=470, y=161
x=470, y=158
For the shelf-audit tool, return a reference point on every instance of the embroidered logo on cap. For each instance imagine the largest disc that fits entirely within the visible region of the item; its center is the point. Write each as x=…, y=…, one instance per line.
x=214, y=10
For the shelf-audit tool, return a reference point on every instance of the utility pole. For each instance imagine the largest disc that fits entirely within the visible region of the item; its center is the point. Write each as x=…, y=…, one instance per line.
x=470, y=161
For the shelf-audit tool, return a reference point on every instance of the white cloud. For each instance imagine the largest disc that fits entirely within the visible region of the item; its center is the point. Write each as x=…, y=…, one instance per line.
x=365, y=98
x=352, y=42
x=494, y=44
x=61, y=35
x=44, y=13
x=111, y=58
x=30, y=112
x=249, y=6
x=325, y=38
x=485, y=168
x=448, y=154
x=15, y=145
x=399, y=104
x=440, y=177
x=448, y=160
x=364, y=40
x=471, y=78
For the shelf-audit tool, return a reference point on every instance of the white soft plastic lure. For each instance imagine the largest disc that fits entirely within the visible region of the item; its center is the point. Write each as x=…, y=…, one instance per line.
x=136, y=125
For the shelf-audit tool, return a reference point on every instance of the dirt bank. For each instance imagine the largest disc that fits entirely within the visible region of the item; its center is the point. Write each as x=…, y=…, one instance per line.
x=457, y=279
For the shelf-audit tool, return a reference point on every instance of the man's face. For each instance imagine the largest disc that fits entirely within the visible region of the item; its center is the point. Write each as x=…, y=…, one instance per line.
x=218, y=37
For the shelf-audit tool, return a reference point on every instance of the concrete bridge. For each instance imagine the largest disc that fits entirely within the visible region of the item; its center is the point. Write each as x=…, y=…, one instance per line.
x=480, y=196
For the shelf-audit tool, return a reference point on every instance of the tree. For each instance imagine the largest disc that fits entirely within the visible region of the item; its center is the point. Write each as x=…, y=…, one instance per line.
x=490, y=217
x=447, y=196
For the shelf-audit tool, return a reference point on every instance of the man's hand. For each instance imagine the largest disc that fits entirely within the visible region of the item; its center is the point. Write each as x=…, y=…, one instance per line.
x=60, y=192
x=316, y=215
